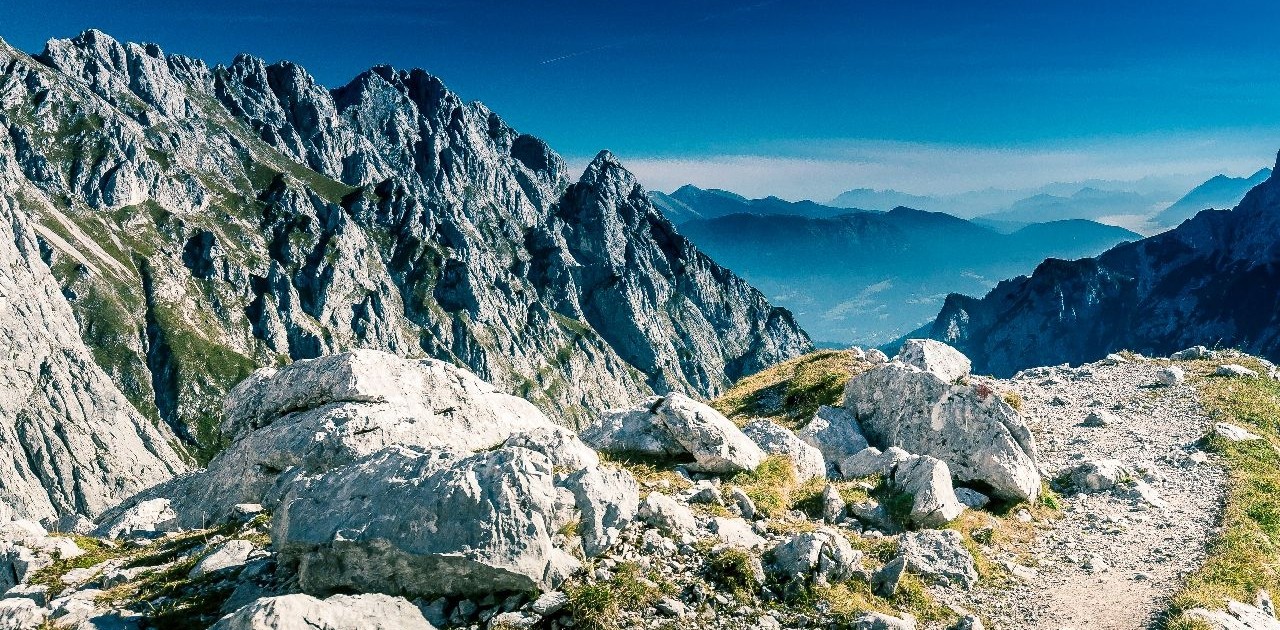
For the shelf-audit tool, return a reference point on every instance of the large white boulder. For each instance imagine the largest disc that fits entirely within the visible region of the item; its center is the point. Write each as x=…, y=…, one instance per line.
x=939, y=554
x=835, y=433
x=823, y=556
x=370, y=611
x=363, y=401
x=776, y=439
x=934, y=356
x=928, y=481
x=421, y=522
x=978, y=435
x=676, y=426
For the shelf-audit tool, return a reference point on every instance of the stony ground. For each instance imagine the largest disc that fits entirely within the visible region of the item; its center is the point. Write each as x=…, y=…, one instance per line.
x=1111, y=560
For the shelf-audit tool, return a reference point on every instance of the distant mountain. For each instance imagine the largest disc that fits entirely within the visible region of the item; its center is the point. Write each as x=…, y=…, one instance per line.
x=1219, y=192
x=872, y=199
x=868, y=277
x=690, y=202
x=1215, y=279
x=1086, y=203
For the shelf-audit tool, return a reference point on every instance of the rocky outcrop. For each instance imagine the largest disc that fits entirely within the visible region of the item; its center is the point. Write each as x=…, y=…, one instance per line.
x=427, y=522
x=1211, y=278
x=776, y=439
x=338, y=612
x=243, y=215
x=980, y=436
x=835, y=433
x=678, y=427
x=71, y=442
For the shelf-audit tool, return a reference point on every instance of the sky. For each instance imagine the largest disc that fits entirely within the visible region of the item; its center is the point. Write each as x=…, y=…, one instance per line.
x=798, y=98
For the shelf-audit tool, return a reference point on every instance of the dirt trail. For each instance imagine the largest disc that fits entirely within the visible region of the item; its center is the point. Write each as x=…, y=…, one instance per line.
x=1113, y=560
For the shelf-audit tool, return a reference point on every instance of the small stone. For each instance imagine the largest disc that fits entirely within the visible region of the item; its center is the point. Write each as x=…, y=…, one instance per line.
x=972, y=498
x=885, y=581
x=833, y=505
x=1232, y=370
x=1234, y=433
x=1170, y=376
x=1100, y=418
x=549, y=603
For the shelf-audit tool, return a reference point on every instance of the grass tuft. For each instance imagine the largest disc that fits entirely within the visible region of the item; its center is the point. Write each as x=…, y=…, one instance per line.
x=791, y=392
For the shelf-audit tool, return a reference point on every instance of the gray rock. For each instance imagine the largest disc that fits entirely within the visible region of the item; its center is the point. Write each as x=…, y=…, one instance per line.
x=549, y=603
x=427, y=522
x=676, y=426
x=1237, y=616
x=1101, y=474
x=706, y=493
x=20, y=613
x=823, y=556
x=833, y=505
x=873, y=514
x=746, y=506
x=938, y=554
x=1100, y=418
x=1234, y=433
x=1194, y=353
x=145, y=518
x=560, y=445
x=936, y=357
x=1170, y=376
x=968, y=622
x=228, y=555
x=370, y=611
x=663, y=512
x=876, y=357
x=972, y=498
x=885, y=581
x=38, y=593
x=1232, y=370
x=735, y=532
x=880, y=621
x=928, y=481
x=70, y=441
x=835, y=433
x=775, y=439
x=978, y=435
x=607, y=500
x=871, y=461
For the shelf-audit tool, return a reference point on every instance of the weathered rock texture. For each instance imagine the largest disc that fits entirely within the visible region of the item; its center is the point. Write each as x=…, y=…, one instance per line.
x=1212, y=278
x=70, y=443
x=204, y=221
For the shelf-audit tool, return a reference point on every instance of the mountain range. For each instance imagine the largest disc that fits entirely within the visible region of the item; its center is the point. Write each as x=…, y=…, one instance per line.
x=1219, y=192
x=201, y=222
x=1213, y=280
x=869, y=277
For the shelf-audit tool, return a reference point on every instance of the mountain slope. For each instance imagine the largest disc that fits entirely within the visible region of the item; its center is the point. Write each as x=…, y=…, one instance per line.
x=1086, y=203
x=690, y=202
x=1211, y=280
x=1219, y=192
x=868, y=277
x=204, y=221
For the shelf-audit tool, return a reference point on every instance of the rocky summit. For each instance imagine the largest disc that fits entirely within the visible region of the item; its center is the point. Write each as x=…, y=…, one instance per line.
x=205, y=221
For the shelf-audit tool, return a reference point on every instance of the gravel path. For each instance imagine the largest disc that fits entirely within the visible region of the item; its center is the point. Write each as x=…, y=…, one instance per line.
x=1113, y=560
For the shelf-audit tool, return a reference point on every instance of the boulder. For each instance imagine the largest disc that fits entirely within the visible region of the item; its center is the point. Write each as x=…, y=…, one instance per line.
x=1239, y=616
x=833, y=505
x=823, y=556
x=1194, y=353
x=876, y=357
x=560, y=445
x=668, y=515
x=20, y=613
x=776, y=439
x=1170, y=376
x=370, y=611
x=735, y=532
x=946, y=362
x=885, y=581
x=228, y=555
x=419, y=522
x=835, y=433
x=318, y=414
x=1099, y=474
x=972, y=498
x=871, y=461
x=980, y=436
x=881, y=621
x=676, y=426
x=607, y=500
x=938, y=554
x=928, y=481
x=146, y=518
x=1234, y=433
x=1232, y=370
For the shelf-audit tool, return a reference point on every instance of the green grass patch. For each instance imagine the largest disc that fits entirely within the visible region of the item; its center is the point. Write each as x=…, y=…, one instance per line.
x=597, y=606
x=1245, y=557
x=791, y=392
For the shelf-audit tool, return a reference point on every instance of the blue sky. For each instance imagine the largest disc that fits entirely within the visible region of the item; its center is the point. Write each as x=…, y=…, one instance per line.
x=800, y=98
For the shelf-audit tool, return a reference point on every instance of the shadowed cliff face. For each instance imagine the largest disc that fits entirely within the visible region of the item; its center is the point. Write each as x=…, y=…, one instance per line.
x=204, y=221
x=1214, y=279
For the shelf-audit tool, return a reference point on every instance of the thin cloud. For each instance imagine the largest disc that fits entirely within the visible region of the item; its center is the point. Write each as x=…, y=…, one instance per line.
x=821, y=170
